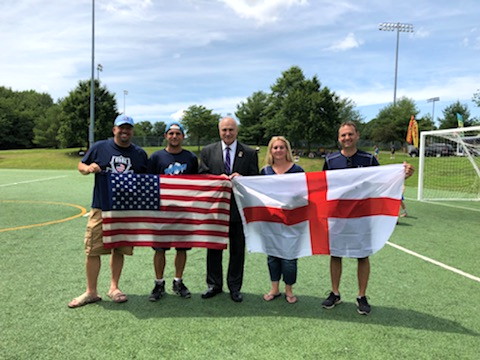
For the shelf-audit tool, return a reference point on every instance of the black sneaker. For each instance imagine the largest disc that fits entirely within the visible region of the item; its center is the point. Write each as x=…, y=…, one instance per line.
x=331, y=301
x=157, y=292
x=363, y=307
x=179, y=288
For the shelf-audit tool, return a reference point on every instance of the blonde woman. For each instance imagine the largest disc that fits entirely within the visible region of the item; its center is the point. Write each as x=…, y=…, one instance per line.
x=279, y=160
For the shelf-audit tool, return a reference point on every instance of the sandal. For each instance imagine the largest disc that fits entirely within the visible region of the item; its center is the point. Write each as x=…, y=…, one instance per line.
x=270, y=297
x=117, y=296
x=291, y=299
x=84, y=299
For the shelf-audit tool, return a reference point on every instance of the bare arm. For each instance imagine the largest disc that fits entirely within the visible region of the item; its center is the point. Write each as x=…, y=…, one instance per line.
x=88, y=169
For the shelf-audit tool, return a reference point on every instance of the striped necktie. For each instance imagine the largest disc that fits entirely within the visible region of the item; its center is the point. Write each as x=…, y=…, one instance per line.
x=227, y=161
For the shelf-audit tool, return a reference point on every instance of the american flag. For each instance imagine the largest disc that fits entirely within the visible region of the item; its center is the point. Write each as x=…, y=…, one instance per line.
x=166, y=211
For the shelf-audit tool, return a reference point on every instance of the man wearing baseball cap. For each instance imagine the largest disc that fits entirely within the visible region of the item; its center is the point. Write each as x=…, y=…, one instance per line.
x=173, y=160
x=116, y=155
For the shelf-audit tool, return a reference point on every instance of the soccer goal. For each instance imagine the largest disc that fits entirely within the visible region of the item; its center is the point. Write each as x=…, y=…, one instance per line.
x=449, y=164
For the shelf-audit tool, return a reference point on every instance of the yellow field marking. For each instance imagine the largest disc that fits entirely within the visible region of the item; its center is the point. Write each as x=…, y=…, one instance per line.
x=81, y=208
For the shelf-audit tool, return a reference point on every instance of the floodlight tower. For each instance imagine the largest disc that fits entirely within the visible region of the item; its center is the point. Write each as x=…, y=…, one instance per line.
x=99, y=70
x=91, y=127
x=399, y=27
x=432, y=100
x=125, y=93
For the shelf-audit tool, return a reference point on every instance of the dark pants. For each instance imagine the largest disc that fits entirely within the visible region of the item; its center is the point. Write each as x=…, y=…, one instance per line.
x=235, y=263
x=278, y=267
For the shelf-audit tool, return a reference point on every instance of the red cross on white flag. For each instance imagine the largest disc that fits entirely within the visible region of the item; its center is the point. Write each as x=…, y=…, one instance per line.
x=350, y=212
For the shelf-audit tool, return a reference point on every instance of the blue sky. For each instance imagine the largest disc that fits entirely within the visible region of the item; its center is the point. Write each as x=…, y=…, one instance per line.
x=169, y=55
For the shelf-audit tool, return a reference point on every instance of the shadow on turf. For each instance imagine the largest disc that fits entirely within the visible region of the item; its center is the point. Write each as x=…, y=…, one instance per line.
x=171, y=306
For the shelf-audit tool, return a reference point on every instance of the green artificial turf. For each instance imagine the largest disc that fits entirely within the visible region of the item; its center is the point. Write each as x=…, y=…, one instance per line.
x=419, y=310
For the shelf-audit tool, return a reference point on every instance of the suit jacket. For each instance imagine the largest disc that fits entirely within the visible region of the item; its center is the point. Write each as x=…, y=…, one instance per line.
x=245, y=163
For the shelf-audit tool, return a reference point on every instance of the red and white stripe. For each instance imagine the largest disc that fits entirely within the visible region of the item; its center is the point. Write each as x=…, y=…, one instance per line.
x=194, y=212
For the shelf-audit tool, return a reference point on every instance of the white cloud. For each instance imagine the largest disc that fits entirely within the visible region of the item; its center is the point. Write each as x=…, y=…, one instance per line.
x=350, y=42
x=458, y=88
x=473, y=42
x=421, y=33
x=173, y=54
x=175, y=110
x=178, y=115
x=472, y=39
x=263, y=11
x=129, y=9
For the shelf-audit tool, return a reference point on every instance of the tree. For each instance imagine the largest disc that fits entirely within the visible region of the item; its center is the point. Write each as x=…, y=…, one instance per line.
x=252, y=118
x=450, y=119
x=74, y=128
x=391, y=123
x=46, y=128
x=425, y=123
x=143, y=128
x=18, y=114
x=302, y=110
x=476, y=98
x=200, y=123
x=347, y=111
x=276, y=121
x=311, y=114
x=159, y=128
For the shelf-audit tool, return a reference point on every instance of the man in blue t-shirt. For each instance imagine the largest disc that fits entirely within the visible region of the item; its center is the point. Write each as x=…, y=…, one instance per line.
x=117, y=155
x=351, y=157
x=173, y=160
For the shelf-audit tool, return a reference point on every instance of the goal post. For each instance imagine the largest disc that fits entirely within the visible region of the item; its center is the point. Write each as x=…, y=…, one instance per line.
x=449, y=164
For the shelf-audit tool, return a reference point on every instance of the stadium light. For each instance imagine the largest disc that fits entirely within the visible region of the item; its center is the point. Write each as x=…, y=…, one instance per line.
x=125, y=93
x=99, y=70
x=91, y=128
x=399, y=27
x=432, y=100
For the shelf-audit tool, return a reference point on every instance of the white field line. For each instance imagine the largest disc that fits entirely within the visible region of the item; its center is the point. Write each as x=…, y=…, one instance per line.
x=443, y=204
x=36, y=180
x=435, y=262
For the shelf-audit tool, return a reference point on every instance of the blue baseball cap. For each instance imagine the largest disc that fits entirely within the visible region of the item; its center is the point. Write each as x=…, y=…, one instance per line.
x=174, y=125
x=123, y=119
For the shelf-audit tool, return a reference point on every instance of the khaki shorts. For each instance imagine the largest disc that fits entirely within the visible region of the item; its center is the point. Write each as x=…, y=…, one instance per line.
x=94, y=239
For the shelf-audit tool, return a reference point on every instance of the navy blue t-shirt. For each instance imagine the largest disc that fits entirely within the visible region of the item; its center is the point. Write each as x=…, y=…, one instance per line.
x=268, y=170
x=338, y=161
x=163, y=162
x=116, y=159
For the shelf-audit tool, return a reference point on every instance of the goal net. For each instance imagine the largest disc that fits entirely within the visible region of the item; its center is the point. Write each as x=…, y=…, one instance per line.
x=449, y=164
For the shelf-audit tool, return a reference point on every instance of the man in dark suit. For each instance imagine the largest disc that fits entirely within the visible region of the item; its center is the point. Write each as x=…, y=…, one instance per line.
x=231, y=158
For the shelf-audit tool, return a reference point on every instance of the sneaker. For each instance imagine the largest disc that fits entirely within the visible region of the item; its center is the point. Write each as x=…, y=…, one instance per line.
x=331, y=301
x=363, y=307
x=157, y=292
x=179, y=288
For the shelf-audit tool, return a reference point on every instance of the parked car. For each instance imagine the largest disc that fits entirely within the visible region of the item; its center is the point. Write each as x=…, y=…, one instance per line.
x=412, y=151
x=438, y=150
